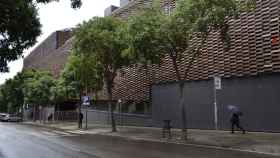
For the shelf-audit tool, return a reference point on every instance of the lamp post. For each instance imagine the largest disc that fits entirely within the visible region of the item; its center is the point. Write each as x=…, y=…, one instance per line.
x=120, y=111
x=217, y=86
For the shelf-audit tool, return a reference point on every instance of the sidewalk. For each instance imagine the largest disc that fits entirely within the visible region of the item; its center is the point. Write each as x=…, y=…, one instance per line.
x=266, y=143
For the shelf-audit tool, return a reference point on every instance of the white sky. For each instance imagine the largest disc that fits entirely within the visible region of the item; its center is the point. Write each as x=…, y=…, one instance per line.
x=59, y=15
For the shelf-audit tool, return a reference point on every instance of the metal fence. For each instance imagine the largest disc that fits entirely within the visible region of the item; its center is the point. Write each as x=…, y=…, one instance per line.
x=126, y=119
x=65, y=116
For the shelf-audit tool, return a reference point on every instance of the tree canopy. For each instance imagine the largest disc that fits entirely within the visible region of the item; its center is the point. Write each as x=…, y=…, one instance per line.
x=74, y=3
x=38, y=87
x=19, y=27
x=80, y=74
x=12, y=96
x=103, y=39
x=27, y=87
x=154, y=34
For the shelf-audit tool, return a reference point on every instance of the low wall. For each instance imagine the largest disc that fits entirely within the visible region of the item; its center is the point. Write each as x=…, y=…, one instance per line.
x=126, y=119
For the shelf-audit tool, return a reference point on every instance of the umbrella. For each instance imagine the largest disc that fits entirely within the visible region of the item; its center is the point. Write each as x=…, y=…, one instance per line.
x=234, y=109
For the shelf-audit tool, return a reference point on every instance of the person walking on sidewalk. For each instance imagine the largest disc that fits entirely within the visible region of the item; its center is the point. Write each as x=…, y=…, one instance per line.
x=81, y=116
x=236, y=122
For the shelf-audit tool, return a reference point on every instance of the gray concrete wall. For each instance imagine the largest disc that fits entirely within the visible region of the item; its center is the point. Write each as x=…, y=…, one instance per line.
x=257, y=97
x=198, y=104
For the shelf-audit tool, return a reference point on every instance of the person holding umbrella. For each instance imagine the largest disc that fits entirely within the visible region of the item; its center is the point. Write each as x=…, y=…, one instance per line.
x=235, y=121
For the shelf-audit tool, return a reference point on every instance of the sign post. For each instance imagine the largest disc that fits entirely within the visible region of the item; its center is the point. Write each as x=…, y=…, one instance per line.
x=217, y=86
x=120, y=111
x=86, y=102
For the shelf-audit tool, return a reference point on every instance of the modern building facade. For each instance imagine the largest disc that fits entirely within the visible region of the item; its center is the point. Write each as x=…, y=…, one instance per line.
x=249, y=71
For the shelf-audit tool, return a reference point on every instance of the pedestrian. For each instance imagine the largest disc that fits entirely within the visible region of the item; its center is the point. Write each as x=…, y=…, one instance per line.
x=50, y=117
x=236, y=122
x=81, y=116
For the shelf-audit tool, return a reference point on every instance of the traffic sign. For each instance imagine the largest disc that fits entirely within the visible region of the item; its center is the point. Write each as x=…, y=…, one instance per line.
x=218, y=82
x=86, y=100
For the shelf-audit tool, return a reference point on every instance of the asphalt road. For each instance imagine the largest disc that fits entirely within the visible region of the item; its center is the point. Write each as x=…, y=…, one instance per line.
x=23, y=141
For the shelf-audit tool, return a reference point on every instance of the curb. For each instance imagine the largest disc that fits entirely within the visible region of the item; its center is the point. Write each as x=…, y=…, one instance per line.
x=45, y=126
x=194, y=145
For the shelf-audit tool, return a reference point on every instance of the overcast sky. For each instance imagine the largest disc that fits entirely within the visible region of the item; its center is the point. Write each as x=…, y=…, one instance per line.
x=59, y=15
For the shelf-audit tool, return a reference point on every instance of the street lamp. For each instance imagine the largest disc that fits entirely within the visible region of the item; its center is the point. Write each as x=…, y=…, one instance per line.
x=120, y=110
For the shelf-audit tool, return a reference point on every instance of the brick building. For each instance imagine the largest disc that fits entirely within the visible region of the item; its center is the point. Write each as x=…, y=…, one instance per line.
x=249, y=71
x=52, y=53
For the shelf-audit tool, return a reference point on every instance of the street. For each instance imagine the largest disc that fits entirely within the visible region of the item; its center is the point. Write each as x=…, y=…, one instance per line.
x=26, y=141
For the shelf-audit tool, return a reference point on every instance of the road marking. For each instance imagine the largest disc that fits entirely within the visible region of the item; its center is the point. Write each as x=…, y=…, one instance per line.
x=78, y=132
x=49, y=133
x=62, y=133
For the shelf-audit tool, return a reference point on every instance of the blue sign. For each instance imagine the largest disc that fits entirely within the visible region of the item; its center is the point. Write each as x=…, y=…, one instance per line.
x=86, y=100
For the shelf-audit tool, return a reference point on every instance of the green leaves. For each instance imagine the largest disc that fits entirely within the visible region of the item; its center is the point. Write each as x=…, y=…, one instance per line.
x=146, y=37
x=12, y=95
x=29, y=87
x=74, y=3
x=37, y=87
x=80, y=73
x=101, y=40
x=15, y=37
x=153, y=35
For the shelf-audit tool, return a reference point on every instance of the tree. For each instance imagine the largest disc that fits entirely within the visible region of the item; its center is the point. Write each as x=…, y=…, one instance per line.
x=154, y=34
x=74, y=3
x=15, y=37
x=12, y=97
x=38, y=88
x=102, y=38
x=70, y=77
x=58, y=92
x=81, y=75
x=3, y=100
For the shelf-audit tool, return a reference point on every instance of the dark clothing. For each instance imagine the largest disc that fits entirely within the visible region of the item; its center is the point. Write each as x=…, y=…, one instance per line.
x=234, y=118
x=235, y=122
x=81, y=116
x=50, y=117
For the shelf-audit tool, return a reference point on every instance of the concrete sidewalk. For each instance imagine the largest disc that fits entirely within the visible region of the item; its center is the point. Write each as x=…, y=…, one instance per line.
x=266, y=143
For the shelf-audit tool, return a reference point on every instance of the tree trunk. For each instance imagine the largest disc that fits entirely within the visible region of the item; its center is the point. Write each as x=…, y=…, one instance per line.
x=79, y=109
x=112, y=108
x=22, y=112
x=183, y=110
x=40, y=115
x=182, y=99
x=34, y=113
